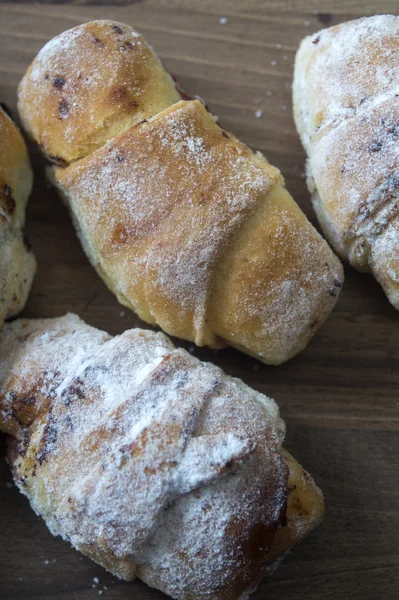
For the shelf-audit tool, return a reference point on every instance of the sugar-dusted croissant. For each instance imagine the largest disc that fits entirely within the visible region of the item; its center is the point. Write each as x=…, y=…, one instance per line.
x=183, y=222
x=152, y=463
x=346, y=104
x=17, y=263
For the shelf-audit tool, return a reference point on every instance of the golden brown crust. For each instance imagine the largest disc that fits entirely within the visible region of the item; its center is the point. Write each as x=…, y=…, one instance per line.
x=150, y=462
x=132, y=197
x=223, y=274
x=305, y=507
x=184, y=223
x=349, y=126
x=87, y=85
x=272, y=293
x=17, y=263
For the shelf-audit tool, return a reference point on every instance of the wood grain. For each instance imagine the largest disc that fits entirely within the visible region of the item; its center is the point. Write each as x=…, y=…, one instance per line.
x=339, y=397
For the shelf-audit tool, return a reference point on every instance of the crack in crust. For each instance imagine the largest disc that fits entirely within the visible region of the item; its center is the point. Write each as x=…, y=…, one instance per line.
x=373, y=219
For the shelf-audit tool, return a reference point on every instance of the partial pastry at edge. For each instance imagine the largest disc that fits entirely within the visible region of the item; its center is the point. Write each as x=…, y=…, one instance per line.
x=150, y=462
x=17, y=263
x=186, y=225
x=346, y=107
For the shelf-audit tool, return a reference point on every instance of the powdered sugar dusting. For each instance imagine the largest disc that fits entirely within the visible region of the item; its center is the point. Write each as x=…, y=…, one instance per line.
x=361, y=60
x=143, y=457
x=164, y=257
x=168, y=161
x=79, y=106
x=58, y=47
x=160, y=201
x=349, y=126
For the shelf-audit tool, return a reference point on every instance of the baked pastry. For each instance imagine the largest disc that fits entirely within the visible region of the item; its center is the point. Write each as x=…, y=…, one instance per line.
x=346, y=106
x=17, y=263
x=150, y=462
x=185, y=224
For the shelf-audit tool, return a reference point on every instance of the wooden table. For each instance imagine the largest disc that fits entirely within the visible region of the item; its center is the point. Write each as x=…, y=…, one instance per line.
x=339, y=397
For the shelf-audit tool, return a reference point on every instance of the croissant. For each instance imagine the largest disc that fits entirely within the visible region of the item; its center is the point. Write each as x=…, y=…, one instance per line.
x=17, y=263
x=346, y=108
x=152, y=463
x=187, y=226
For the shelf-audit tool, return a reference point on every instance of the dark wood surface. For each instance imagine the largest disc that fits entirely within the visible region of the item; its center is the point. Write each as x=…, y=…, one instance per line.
x=339, y=397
